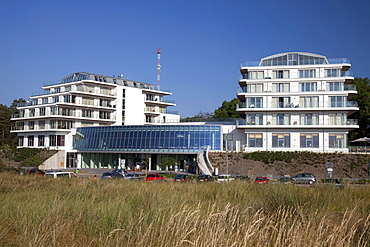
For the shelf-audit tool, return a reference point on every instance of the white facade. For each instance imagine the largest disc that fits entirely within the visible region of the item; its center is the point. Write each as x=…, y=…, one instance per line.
x=296, y=102
x=84, y=99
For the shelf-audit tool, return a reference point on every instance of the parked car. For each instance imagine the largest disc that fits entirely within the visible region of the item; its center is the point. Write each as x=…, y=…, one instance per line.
x=334, y=182
x=304, y=178
x=154, y=177
x=182, y=178
x=118, y=173
x=60, y=174
x=225, y=178
x=205, y=178
x=261, y=180
x=107, y=175
x=133, y=176
x=242, y=178
x=36, y=171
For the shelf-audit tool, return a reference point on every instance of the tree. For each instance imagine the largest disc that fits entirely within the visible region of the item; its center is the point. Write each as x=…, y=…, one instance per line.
x=227, y=110
x=363, y=115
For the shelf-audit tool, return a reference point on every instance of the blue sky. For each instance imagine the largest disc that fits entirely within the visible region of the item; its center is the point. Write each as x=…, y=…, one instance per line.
x=203, y=42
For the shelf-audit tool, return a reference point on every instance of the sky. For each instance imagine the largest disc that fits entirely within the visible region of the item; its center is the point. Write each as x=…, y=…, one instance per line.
x=203, y=42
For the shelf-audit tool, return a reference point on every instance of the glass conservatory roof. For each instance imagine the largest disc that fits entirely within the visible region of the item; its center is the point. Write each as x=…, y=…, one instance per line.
x=293, y=58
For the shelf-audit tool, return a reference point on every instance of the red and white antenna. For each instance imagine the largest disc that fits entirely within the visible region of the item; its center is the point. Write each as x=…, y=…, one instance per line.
x=159, y=69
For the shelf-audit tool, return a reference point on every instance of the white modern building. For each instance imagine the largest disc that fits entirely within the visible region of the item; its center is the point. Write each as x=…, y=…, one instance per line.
x=296, y=101
x=84, y=99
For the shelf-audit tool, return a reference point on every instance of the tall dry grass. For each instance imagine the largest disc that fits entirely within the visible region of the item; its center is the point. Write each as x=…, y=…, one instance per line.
x=37, y=211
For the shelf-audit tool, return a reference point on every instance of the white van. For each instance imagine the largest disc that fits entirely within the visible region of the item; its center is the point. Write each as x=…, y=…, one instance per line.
x=60, y=174
x=225, y=178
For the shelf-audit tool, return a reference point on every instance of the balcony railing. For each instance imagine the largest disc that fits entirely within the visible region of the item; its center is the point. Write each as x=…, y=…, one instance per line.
x=326, y=104
x=330, y=61
x=276, y=122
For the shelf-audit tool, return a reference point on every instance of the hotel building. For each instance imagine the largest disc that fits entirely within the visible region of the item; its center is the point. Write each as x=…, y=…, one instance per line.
x=296, y=101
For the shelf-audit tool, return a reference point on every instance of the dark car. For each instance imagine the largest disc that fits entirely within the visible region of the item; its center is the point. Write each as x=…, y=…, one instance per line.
x=107, y=175
x=261, y=180
x=304, y=178
x=154, y=177
x=133, y=176
x=205, y=178
x=182, y=178
x=36, y=171
x=118, y=173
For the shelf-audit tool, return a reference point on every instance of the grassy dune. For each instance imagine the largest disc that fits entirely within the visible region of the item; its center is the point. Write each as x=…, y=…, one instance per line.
x=38, y=211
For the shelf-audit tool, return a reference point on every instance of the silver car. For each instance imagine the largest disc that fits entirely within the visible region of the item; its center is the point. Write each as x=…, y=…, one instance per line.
x=304, y=178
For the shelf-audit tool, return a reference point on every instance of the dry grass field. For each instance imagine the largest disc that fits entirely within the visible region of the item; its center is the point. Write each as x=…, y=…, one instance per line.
x=39, y=211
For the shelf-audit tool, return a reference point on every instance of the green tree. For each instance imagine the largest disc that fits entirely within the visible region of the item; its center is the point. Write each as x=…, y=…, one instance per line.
x=167, y=162
x=363, y=115
x=200, y=116
x=227, y=109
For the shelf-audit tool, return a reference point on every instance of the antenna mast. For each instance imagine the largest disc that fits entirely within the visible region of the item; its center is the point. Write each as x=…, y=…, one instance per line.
x=159, y=69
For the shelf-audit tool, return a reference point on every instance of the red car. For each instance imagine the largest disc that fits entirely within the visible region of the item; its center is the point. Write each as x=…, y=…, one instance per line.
x=154, y=177
x=261, y=180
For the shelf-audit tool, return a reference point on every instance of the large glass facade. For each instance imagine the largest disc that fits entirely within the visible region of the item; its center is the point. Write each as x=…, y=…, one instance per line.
x=150, y=139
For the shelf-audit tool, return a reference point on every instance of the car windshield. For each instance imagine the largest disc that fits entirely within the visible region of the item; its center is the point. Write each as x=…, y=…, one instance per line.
x=260, y=179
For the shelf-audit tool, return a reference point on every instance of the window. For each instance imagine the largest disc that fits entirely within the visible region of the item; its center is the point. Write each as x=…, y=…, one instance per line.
x=307, y=73
x=337, y=101
x=55, y=99
x=45, y=100
x=104, y=115
x=280, y=74
x=253, y=102
x=281, y=102
x=254, y=75
x=281, y=119
x=309, y=119
x=308, y=86
x=309, y=140
x=67, y=98
x=61, y=124
x=66, y=111
x=21, y=113
x=309, y=101
x=41, y=124
x=87, y=113
x=87, y=101
x=20, y=141
x=254, y=119
x=20, y=125
x=333, y=72
x=335, y=86
x=253, y=88
x=281, y=87
x=42, y=111
x=41, y=140
x=337, y=119
x=336, y=140
x=281, y=140
x=31, y=125
x=105, y=102
x=150, y=97
x=30, y=141
x=57, y=140
x=254, y=140
x=32, y=112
